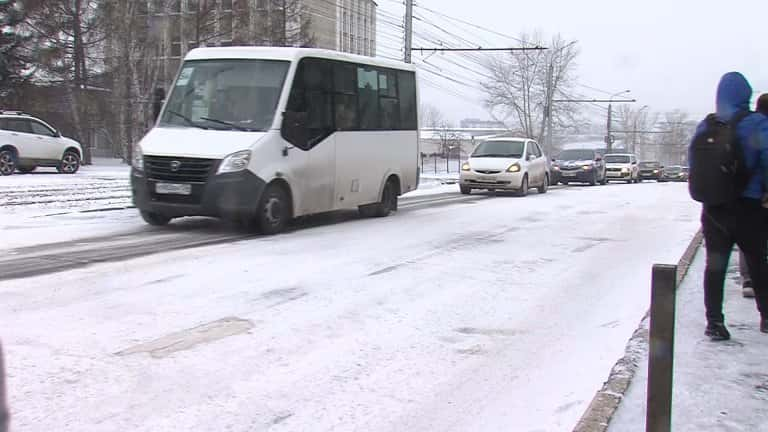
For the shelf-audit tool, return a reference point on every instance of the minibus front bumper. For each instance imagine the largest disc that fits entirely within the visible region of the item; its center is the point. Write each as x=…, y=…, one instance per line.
x=224, y=195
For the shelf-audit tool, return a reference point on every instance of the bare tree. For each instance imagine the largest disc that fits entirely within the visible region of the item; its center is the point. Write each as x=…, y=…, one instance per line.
x=134, y=49
x=450, y=138
x=673, y=144
x=430, y=116
x=636, y=124
x=518, y=92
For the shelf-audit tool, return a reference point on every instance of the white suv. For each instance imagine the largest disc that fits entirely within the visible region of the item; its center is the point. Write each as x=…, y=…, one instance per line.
x=27, y=142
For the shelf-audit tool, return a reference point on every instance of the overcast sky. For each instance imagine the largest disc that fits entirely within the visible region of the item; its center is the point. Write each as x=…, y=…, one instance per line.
x=670, y=53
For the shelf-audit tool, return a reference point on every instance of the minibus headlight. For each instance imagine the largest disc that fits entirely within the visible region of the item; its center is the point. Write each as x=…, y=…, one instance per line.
x=138, y=158
x=235, y=162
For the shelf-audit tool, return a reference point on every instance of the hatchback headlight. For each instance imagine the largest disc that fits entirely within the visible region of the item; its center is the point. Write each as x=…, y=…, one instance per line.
x=586, y=167
x=515, y=167
x=235, y=162
x=465, y=166
x=625, y=170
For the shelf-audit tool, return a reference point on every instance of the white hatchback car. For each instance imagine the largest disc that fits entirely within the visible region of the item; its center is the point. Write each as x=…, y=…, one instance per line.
x=512, y=164
x=622, y=167
x=27, y=142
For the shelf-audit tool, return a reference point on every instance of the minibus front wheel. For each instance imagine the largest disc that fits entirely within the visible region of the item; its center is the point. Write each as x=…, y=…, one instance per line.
x=275, y=209
x=154, y=219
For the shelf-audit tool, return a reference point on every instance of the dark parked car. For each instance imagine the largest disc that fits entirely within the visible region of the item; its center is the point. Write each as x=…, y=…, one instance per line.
x=675, y=173
x=579, y=166
x=650, y=170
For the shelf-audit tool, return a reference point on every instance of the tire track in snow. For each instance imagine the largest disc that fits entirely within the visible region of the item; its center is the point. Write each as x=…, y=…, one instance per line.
x=51, y=258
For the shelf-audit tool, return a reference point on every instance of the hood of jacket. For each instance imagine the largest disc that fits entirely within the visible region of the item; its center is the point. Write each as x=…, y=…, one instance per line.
x=733, y=95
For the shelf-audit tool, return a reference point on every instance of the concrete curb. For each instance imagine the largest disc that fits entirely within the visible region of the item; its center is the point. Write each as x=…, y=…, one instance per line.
x=606, y=402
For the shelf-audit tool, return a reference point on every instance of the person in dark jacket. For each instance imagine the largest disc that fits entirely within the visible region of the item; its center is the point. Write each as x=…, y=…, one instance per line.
x=747, y=288
x=741, y=222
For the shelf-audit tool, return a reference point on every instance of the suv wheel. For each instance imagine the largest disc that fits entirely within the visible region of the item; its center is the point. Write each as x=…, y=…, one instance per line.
x=69, y=163
x=7, y=162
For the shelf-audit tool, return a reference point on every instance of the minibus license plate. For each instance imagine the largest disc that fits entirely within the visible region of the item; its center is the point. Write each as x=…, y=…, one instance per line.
x=173, y=189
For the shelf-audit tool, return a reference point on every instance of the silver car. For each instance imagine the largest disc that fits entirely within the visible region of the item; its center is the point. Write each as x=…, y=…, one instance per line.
x=509, y=164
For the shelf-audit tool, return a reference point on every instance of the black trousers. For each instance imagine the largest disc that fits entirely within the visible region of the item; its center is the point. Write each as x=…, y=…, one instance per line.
x=742, y=223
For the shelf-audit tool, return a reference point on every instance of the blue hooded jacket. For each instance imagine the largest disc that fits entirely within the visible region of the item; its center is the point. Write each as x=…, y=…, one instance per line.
x=733, y=96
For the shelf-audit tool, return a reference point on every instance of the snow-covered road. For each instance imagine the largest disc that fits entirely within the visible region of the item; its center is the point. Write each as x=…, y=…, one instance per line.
x=485, y=314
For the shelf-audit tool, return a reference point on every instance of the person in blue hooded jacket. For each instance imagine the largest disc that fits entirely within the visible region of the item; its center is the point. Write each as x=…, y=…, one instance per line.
x=741, y=222
x=747, y=288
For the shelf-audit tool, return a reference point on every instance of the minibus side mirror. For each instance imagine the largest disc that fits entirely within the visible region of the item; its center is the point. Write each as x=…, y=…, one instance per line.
x=157, y=103
x=294, y=128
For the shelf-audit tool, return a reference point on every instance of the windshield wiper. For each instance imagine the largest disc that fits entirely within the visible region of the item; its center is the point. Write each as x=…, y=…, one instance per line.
x=186, y=119
x=226, y=123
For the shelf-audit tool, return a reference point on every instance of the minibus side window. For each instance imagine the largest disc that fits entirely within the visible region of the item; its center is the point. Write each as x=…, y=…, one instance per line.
x=309, y=116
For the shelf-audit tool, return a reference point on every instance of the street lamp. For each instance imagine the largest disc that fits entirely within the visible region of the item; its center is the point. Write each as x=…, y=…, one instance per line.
x=608, y=137
x=634, y=130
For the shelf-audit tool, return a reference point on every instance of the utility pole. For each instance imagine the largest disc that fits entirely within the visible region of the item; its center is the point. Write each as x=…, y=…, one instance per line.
x=608, y=137
x=408, y=30
x=609, y=144
x=550, y=96
x=285, y=24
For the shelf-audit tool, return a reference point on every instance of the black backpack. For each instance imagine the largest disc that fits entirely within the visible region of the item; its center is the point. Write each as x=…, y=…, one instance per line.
x=718, y=172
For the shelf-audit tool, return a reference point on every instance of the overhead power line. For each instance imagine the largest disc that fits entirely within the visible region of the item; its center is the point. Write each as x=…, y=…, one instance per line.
x=437, y=49
x=471, y=24
x=595, y=100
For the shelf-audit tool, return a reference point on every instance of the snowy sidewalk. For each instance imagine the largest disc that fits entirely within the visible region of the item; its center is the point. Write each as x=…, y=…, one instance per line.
x=717, y=386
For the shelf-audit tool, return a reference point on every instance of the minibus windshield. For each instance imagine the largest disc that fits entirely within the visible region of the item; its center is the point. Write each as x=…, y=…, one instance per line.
x=226, y=94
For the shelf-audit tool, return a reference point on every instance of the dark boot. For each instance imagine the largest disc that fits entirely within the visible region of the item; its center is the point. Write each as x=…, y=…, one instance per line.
x=717, y=331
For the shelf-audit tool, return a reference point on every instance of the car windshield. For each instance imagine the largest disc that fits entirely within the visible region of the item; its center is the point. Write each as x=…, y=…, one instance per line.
x=574, y=155
x=616, y=159
x=649, y=165
x=226, y=94
x=508, y=149
x=673, y=169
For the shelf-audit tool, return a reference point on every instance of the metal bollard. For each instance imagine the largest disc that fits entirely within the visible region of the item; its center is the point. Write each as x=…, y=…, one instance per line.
x=662, y=349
